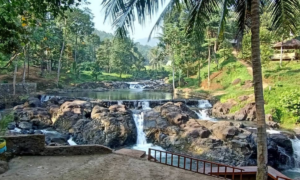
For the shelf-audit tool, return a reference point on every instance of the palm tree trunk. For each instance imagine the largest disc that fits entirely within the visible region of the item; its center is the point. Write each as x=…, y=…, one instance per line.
x=262, y=150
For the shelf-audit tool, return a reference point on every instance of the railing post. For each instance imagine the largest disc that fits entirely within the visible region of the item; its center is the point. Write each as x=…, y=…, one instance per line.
x=183, y=162
x=191, y=164
x=166, y=158
x=241, y=175
x=178, y=161
x=225, y=172
x=197, y=166
x=160, y=156
x=204, y=165
x=149, y=154
x=232, y=173
x=172, y=160
x=218, y=170
x=155, y=155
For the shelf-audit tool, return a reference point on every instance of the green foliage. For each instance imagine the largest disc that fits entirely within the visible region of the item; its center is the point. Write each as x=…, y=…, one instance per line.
x=4, y=122
x=290, y=100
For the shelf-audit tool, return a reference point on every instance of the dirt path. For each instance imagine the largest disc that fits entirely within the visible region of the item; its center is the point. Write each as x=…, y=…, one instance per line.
x=250, y=71
x=95, y=167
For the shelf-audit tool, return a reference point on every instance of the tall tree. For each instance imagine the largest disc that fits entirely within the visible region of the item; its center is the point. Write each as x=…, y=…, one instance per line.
x=201, y=10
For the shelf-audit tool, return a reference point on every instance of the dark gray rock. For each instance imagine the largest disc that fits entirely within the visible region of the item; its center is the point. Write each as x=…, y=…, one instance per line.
x=25, y=125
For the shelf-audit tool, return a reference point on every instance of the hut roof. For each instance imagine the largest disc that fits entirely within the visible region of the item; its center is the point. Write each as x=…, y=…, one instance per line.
x=290, y=44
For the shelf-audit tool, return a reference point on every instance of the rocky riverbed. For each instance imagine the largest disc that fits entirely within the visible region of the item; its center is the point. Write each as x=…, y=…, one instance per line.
x=173, y=126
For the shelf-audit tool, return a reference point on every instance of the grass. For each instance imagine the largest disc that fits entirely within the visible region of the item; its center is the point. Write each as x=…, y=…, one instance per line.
x=281, y=79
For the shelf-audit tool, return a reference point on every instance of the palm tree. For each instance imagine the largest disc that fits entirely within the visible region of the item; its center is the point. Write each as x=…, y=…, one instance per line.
x=284, y=13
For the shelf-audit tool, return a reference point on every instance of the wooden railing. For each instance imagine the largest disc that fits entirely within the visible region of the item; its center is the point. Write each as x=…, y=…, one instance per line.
x=282, y=178
x=194, y=165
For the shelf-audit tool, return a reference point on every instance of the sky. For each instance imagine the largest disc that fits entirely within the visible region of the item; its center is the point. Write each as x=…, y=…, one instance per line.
x=140, y=32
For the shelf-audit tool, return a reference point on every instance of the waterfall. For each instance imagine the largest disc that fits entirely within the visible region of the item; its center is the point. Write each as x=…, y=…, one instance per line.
x=203, y=113
x=141, y=142
x=204, y=104
x=135, y=85
x=71, y=142
x=120, y=102
x=139, y=123
x=146, y=105
x=295, y=172
x=296, y=149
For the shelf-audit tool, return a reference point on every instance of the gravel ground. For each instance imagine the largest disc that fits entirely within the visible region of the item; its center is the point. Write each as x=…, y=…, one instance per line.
x=94, y=167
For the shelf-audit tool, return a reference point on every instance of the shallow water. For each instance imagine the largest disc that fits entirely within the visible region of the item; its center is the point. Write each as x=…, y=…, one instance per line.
x=122, y=94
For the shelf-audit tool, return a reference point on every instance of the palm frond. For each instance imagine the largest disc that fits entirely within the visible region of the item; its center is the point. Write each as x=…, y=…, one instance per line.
x=284, y=14
x=200, y=12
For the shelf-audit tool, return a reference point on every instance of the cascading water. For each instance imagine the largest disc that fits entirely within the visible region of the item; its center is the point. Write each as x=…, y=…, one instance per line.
x=135, y=85
x=295, y=172
x=203, y=112
x=141, y=142
x=139, y=123
x=71, y=142
x=120, y=102
x=146, y=105
x=204, y=104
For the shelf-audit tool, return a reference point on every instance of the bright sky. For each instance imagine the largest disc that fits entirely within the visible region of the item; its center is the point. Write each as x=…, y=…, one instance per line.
x=140, y=32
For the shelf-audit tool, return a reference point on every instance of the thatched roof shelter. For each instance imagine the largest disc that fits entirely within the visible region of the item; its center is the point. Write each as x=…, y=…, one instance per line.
x=290, y=44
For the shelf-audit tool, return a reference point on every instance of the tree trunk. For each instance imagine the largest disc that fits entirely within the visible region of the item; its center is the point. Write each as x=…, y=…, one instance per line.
x=199, y=67
x=24, y=66
x=208, y=70
x=173, y=69
x=215, y=54
x=281, y=51
x=15, y=77
x=59, y=63
x=28, y=53
x=262, y=150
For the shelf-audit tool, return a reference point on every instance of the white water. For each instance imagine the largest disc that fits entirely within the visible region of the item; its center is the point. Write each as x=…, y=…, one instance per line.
x=204, y=104
x=141, y=142
x=295, y=172
x=204, y=115
x=146, y=105
x=71, y=142
x=135, y=85
x=120, y=102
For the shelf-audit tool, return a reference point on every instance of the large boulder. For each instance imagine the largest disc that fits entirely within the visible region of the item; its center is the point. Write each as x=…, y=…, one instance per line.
x=221, y=110
x=113, y=127
x=69, y=113
x=224, y=130
x=32, y=102
x=247, y=113
x=176, y=113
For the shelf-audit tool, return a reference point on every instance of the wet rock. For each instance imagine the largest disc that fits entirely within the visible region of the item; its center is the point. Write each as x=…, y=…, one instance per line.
x=111, y=127
x=25, y=125
x=32, y=102
x=11, y=126
x=69, y=113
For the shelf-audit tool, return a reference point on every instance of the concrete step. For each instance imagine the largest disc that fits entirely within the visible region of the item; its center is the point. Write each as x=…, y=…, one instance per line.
x=131, y=153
